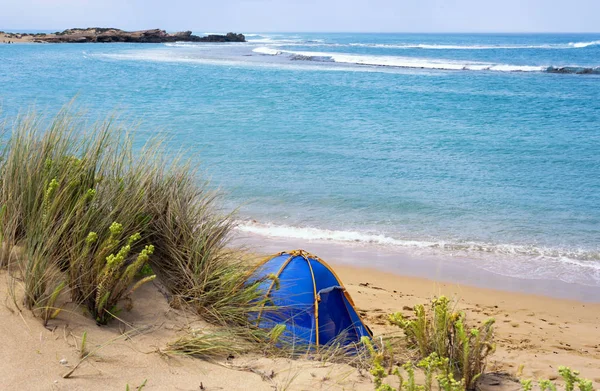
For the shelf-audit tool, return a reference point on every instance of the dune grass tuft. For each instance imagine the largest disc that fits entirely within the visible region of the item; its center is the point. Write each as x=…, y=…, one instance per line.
x=90, y=211
x=213, y=344
x=231, y=341
x=192, y=256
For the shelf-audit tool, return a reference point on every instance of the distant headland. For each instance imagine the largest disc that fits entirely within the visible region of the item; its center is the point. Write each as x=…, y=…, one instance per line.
x=107, y=35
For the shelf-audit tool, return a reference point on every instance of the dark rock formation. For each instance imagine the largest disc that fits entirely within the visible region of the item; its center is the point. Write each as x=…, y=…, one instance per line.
x=574, y=70
x=96, y=34
x=230, y=37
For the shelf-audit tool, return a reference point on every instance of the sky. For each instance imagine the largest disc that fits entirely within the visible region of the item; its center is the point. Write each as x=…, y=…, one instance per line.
x=306, y=15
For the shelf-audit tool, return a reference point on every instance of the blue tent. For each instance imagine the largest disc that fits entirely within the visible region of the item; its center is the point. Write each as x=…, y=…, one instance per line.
x=309, y=299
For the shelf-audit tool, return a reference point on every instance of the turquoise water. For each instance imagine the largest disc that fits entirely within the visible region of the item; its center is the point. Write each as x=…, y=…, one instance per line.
x=451, y=145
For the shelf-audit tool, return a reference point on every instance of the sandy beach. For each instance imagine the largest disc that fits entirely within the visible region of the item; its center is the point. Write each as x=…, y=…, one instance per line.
x=537, y=332
x=6, y=38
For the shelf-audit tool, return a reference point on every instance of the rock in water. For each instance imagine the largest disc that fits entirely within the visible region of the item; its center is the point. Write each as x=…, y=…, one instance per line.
x=230, y=37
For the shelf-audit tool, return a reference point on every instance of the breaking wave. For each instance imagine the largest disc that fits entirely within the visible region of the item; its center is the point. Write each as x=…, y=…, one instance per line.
x=420, y=63
x=267, y=51
x=182, y=44
x=519, y=261
x=425, y=46
x=583, y=258
x=570, y=45
x=584, y=44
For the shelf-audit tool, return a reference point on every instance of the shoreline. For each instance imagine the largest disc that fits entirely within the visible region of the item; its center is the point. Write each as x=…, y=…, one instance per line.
x=460, y=271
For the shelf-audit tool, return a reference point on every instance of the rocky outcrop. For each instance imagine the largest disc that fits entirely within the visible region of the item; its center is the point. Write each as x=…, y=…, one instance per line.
x=144, y=36
x=575, y=70
x=230, y=37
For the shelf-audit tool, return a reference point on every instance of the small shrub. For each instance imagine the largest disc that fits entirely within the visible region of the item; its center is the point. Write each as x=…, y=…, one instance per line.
x=378, y=365
x=443, y=332
x=433, y=367
x=527, y=385
x=569, y=376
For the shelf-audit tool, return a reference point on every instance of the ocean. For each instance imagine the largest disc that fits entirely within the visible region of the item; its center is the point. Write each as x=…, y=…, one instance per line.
x=457, y=146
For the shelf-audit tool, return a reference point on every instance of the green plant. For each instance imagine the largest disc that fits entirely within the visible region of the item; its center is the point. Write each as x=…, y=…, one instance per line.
x=547, y=385
x=43, y=281
x=570, y=377
x=378, y=371
x=443, y=332
x=111, y=276
x=411, y=384
x=526, y=385
x=47, y=306
x=83, y=349
x=138, y=388
x=3, y=247
x=432, y=366
x=146, y=271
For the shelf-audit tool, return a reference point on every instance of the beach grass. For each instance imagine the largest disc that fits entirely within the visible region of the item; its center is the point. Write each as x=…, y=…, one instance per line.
x=89, y=212
x=218, y=343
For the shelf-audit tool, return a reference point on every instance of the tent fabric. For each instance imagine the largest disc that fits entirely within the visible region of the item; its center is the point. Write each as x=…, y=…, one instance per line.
x=309, y=299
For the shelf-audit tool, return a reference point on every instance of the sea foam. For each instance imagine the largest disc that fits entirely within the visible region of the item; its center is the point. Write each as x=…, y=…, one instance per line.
x=582, y=258
x=267, y=51
x=570, y=45
x=420, y=63
x=399, y=62
x=584, y=44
